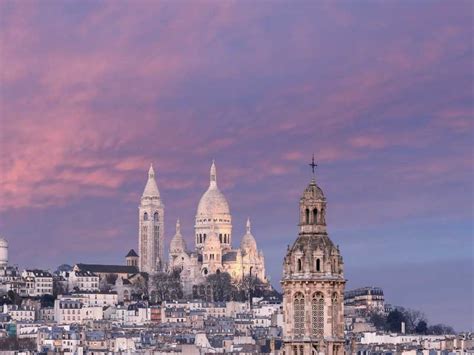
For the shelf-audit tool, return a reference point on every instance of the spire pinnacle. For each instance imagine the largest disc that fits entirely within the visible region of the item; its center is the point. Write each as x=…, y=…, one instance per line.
x=213, y=174
x=178, y=227
x=151, y=189
x=248, y=225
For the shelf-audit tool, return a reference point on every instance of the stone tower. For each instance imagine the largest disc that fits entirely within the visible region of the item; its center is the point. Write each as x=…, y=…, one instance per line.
x=313, y=284
x=151, y=227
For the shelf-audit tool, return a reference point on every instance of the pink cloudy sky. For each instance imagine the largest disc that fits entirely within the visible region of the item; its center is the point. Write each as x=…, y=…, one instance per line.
x=92, y=92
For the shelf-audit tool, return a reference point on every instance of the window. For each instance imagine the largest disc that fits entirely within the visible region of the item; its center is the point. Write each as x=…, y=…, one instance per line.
x=307, y=216
x=298, y=314
x=318, y=264
x=145, y=216
x=156, y=217
x=317, y=310
x=299, y=266
x=315, y=216
x=335, y=315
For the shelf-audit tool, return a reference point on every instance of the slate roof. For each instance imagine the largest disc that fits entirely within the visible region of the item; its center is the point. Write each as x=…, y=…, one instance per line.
x=109, y=269
x=131, y=253
x=230, y=256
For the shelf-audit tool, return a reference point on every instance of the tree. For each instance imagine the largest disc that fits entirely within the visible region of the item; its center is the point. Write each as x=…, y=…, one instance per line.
x=14, y=298
x=379, y=320
x=221, y=285
x=47, y=300
x=440, y=329
x=421, y=327
x=394, y=321
x=412, y=318
x=59, y=288
x=139, y=287
x=111, y=278
x=166, y=287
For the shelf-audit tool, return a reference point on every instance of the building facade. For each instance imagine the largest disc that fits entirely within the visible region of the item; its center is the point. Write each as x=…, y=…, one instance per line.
x=313, y=284
x=151, y=227
x=213, y=251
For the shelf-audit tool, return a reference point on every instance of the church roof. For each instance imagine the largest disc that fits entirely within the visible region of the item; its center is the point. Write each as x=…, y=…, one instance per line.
x=313, y=191
x=213, y=203
x=151, y=189
x=111, y=269
x=229, y=256
x=131, y=253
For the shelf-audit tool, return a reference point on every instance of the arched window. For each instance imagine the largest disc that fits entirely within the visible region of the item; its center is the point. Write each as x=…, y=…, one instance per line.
x=205, y=237
x=156, y=217
x=315, y=216
x=299, y=266
x=250, y=271
x=335, y=315
x=307, y=216
x=318, y=264
x=298, y=314
x=220, y=237
x=317, y=311
x=145, y=216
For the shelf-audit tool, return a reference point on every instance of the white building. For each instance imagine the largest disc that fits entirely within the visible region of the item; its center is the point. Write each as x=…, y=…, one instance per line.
x=83, y=281
x=37, y=282
x=101, y=299
x=24, y=314
x=73, y=310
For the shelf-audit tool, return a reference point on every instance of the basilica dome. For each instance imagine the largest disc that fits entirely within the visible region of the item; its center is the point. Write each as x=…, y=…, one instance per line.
x=213, y=203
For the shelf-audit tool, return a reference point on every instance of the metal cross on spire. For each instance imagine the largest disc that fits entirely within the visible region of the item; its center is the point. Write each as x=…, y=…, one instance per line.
x=313, y=165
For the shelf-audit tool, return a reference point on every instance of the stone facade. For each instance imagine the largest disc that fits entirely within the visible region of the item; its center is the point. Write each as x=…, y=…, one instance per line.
x=213, y=251
x=151, y=227
x=313, y=284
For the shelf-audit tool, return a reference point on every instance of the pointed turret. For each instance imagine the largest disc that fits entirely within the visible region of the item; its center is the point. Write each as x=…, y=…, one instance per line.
x=213, y=175
x=151, y=189
x=177, y=244
x=248, y=243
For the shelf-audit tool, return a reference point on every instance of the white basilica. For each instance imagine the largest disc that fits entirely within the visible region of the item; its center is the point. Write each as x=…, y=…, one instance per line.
x=212, y=252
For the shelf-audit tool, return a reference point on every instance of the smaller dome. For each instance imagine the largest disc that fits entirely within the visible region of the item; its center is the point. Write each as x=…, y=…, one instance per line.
x=313, y=192
x=177, y=244
x=3, y=243
x=248, y=241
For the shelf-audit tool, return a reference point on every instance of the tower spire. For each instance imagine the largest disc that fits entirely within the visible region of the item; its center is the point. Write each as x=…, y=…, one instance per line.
x=213, y=174
x=178, y=227
x=151, y=189
x=248, y=225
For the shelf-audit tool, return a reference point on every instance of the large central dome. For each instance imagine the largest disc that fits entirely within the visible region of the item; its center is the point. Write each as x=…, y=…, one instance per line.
x=213, y=203
x=213, y=214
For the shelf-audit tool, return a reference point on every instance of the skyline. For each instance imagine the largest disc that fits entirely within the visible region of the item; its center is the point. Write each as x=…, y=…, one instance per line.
x=94, y=92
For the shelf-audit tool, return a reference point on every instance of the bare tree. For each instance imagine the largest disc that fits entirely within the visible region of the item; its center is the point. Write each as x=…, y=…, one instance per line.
x=166, y=287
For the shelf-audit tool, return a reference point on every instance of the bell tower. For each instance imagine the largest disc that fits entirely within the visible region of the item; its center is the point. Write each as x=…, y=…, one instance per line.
x=151, y=227
x=313, y=283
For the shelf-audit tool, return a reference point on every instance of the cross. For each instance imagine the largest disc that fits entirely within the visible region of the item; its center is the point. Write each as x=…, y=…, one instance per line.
x=313, y=165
